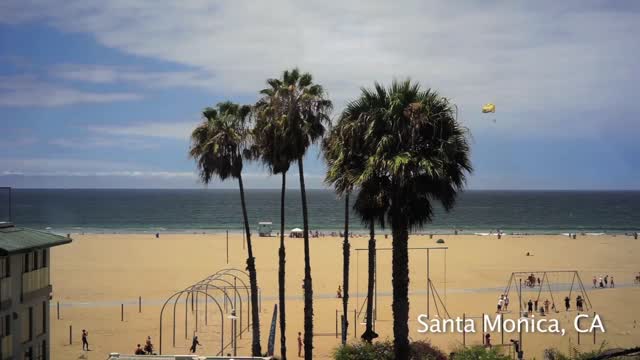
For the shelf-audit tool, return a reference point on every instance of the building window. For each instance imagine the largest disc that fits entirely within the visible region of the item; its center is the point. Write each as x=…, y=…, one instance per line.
x=35, y=261
x=5, y=329
x=44, y=258
x=5, y=267
x=44, y=317
x=30, y=323
x=25, y=268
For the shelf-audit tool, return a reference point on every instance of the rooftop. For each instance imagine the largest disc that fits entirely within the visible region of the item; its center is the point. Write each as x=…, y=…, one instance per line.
x=14, y=240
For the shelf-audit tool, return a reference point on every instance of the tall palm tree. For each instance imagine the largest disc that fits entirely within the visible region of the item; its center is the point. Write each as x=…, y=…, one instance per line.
x=419, y=154
x=218, y=146
x=345, y=158
x=338, y=175
x=371, y=204
x=304, y=110
x=270, y=145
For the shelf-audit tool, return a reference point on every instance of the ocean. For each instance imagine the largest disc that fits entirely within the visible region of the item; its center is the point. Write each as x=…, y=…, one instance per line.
x=209, y=210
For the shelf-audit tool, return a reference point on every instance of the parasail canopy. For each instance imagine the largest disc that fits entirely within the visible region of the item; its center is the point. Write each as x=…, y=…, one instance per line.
x=488, y=108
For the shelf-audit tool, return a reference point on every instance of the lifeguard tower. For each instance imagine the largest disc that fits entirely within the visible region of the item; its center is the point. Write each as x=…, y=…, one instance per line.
x=265, y=228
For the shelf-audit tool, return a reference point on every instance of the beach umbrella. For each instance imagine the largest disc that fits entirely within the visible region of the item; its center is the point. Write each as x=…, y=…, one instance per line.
x=296, y=230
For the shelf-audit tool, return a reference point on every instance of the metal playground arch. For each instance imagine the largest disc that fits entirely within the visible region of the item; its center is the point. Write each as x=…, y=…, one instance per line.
x=226, y=282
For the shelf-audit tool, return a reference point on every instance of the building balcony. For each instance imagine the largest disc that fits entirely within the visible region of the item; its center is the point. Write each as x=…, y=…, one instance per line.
x=36, y=284
x=6, y=347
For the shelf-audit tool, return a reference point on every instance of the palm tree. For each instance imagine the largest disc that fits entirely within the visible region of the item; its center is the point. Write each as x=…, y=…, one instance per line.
x=304, y=109
x=218, y=146
x=345, y=158
x=338, y=175
x=270, y=146
x=371, y=204
x=418, y=153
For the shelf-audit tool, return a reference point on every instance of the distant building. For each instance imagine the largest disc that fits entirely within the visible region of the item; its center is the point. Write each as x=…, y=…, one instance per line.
x=25, y=291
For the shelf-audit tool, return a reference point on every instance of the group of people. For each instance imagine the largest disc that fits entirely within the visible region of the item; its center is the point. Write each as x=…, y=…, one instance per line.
x=503, y=303
x=603, y=282
x=543, y=309
x=532, y=280
x=147, y=350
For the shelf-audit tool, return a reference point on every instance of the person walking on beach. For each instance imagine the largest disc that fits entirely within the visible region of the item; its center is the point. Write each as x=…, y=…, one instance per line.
x=339, y=292
x=594, y=282
x=567, y=303
x=506, y=303
x=606, y=280
x=546, y=305
x=300, y=343
x=500, y=304
x=85, y=341
x=600, y=281
x=612, y=283
x=194, y=344
x=487, y=340
x=530, y=306
x=535, y=305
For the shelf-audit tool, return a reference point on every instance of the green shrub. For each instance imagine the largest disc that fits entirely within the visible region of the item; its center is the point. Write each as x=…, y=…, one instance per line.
x=440, y=241
x=383, y=350
x=478, y=352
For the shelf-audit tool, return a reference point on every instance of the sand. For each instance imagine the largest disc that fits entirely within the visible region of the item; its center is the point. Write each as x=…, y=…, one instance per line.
x=97, y=273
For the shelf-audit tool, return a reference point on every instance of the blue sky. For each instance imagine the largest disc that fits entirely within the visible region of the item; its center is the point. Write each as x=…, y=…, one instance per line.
x=104, y=94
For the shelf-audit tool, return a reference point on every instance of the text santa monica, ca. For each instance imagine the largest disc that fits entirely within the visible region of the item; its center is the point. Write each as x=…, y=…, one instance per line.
x=498, y=324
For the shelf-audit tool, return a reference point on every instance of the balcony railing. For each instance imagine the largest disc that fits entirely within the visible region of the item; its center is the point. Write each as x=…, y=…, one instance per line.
x=6, y=347
x=35, y=280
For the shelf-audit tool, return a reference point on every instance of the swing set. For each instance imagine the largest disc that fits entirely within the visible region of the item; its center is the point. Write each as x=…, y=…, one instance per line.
x=552, y=283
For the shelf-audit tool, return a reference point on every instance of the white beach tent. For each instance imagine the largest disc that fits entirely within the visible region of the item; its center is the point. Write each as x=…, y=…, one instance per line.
x=296, y=232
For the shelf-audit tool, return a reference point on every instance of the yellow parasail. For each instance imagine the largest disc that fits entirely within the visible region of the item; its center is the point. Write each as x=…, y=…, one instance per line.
x=488, y=108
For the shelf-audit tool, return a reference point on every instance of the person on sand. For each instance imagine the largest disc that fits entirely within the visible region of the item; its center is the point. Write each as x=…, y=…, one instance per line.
x=506, y=303
x=539, y=282
x=339, y=292
x=194, y=344
x=500, y=304
x=595, y=282
x=601, y=283
x=546, y=305
x=567, y=303
x=612, y=283
x=148, y=346
x=535, y=304
x=139, y=351
x=85, y=340
x=530, y=306
x=606, y=280
x=300, y=343
x=487, y=340
x=579, y=303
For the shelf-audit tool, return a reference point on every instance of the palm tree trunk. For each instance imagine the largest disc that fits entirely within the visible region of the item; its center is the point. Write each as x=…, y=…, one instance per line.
x=281, y=272
x=346, y=248
x=308, y=288
x=253, y=280
x=369, y=334
x=400, y=281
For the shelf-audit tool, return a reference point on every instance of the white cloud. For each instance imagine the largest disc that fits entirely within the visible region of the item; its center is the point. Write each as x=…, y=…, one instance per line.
x=103, y=74
x=175, y=130
x=522, y=57
x=102, y=142
x=27, y=91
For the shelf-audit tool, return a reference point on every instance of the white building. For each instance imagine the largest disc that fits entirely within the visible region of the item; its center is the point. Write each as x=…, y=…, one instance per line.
x=25, y=291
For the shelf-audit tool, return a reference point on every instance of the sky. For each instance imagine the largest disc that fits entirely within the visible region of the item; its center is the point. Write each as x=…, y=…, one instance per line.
x=100, y=94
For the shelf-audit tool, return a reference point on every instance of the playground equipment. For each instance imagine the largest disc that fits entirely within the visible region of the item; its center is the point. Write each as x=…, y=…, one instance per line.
x=226, y=282
x=432, y=293
x=552, y=283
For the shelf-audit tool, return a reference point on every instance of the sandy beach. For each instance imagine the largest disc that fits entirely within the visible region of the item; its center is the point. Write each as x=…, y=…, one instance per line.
x=97, y=273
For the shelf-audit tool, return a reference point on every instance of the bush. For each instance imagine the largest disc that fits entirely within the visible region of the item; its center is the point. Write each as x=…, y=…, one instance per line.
x=383, y=350
x=440, y=241
x=423, y=350
x=478, y=352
